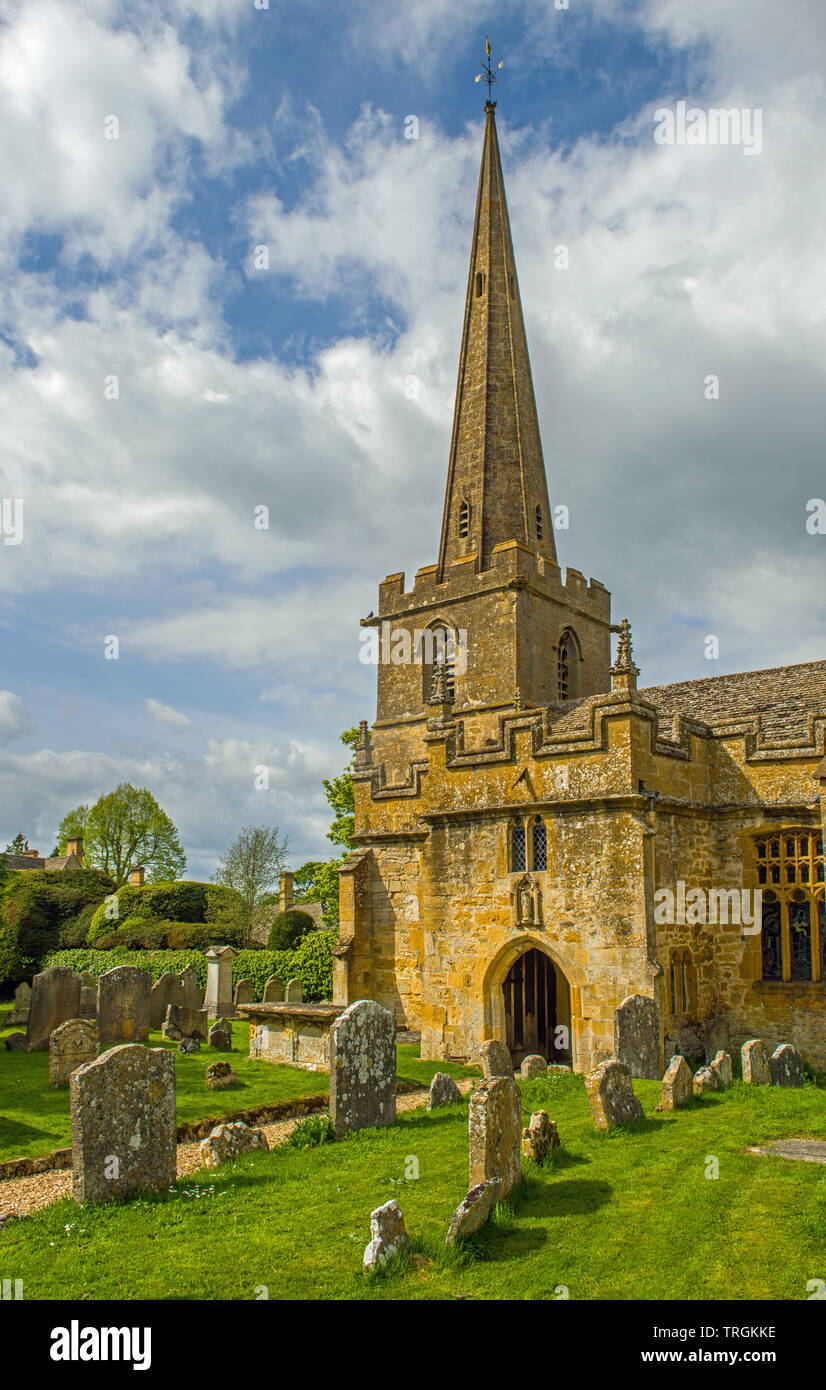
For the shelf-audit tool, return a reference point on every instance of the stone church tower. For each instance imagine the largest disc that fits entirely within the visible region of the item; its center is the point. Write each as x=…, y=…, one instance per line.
x=519, y=803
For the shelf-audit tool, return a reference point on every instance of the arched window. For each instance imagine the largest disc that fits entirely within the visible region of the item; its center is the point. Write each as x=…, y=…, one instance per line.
x=480, y=284
x=684, y=975
x=790, y=870
x=540, y=845
x=674, y=1008
x=464, y=519
x=518, y=847
x=437, y=647
x=568, y=665
x=538, y=522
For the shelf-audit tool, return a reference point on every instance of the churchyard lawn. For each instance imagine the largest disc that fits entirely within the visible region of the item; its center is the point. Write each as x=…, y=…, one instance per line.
x=34, y=1119
x=627, y=1215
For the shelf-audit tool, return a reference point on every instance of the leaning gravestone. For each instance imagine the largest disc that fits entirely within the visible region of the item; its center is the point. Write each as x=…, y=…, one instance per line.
x=244, y=992
x=165, y=991
x=123, y=1005
x=678, y=1084
x=495, y=1059
x=191, y=993
x=273, y=991
x=55, y=999
x=786, y=1066
x=74, y=1044
x=388, y=1236
x=443, y=1091
x=20, y=1009
x=705, y=1080
x=123, y=1123
x=294, y=992
x=363, y=1067
x=473, y=1211
x=182, y=1023
x=722, y=1066
x=637, y=1037
x=755, y=1063
x=611, y=1095
x=495, y=1132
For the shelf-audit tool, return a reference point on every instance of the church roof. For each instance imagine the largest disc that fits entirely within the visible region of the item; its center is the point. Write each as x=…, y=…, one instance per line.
x=51, y=864
x=784, y=697
x=496, y=475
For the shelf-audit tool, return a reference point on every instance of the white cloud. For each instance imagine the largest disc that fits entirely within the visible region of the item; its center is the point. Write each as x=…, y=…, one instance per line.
x=165, y=714
x=13, y=717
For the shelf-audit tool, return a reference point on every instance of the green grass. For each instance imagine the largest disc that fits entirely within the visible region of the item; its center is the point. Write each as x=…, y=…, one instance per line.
x=629, y=1215
x=34, y=1119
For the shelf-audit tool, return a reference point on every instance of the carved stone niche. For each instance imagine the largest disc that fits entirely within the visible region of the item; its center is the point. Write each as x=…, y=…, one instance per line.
x=526, y=903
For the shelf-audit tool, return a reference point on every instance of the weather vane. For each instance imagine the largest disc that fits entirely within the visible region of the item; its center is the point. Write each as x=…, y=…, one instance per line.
x=487, y=74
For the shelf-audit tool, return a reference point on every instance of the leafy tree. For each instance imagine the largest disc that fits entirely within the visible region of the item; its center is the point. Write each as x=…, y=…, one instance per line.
x=304, y=879
x=124, y=828
x=340, y=794
x=17, y=845
x=251, y=865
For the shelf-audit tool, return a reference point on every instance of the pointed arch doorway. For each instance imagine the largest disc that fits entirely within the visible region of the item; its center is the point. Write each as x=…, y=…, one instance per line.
x=537, y=1009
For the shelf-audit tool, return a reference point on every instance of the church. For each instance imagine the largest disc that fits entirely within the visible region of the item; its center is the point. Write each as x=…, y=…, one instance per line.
x=536, y=836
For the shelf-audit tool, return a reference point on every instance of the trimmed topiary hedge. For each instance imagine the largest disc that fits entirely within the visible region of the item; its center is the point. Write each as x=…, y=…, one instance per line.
x=142, y=934
x=181, y=903
x=311, y=963
x=40, y=913
x=287, y=929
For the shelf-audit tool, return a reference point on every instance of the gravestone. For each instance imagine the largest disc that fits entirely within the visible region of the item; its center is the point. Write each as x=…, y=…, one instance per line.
x=273, y=991
x=219, y=1075
x=495, y=1132
x=244, y=992
x=786, y=1066
x=87, y=980
x=722, y=1066
x=220, y=1035
x=73, y=1044
x=189, y=1045
x=540, y=1137
x=443, y=1091
x=294, y=993
x=228, y=1141
x=55, y=999
x=755, y=1063
x=20, y=1009
x=495, y=1059
x=165, y=991
x=388, y=1236
x=678, y=1084
x=218, y=1000
x=363, y=1067
x=182, y=1022
x=637, y=1037
x=88, y=1007
x=16, y=1042
x=123, y=1123
x=533, y=1066
x=123, y=1005
x=191, y=993
x=706, y=1080
x=473, y=1211
x=611, y=1095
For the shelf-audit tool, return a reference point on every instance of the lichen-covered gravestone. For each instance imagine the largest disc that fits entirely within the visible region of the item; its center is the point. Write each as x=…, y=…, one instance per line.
x=192, y=996
x=388, y=1236
x=273, y=991
x=755, y=1063
x=678, y=1084
x=55, y=999
x=229, y=1140
x=533, y=1066
x=722, y=1066
x=218, y=1001
x=705, y=1080
x=443, y=1091
x=165, y=991
x=220, y=1035
x=123, y=1123
x=73, y=1044
x=540, y=1137
x=182, y=1022
x=244, y=992
x=123, y=1005
x=219, y=1075
x=495, y=1132
x=611, y=1095
x=473, y=1211
x=637, y=1037
x=363, y=1067
x=495, y=1059
x=786, y=1066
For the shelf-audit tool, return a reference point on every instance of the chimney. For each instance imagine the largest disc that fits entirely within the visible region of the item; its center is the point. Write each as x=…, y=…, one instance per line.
x=137, y=876
x=285, y=892
x=75, y=846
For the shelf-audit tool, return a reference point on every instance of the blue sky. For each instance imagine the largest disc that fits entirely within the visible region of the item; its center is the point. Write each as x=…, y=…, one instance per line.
x=239, y=387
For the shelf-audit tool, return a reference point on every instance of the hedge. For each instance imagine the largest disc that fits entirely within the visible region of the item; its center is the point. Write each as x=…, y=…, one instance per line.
x=40, y=914
x=181, y=901
x=311, y=962
x=287, y=929
x=144, y=934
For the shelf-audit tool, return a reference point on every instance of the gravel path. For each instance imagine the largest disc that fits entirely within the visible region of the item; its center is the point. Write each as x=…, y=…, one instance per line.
x=21, y=1196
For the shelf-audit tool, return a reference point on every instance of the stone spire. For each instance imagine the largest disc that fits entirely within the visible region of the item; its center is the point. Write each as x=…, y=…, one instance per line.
x=496, y=478
x=623, y=672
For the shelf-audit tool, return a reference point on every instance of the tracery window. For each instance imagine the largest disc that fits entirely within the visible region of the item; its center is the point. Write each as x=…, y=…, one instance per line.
x=518, y=848
x=540, y=845
x=790, y=869
x=567, y=659
x=681, y=982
